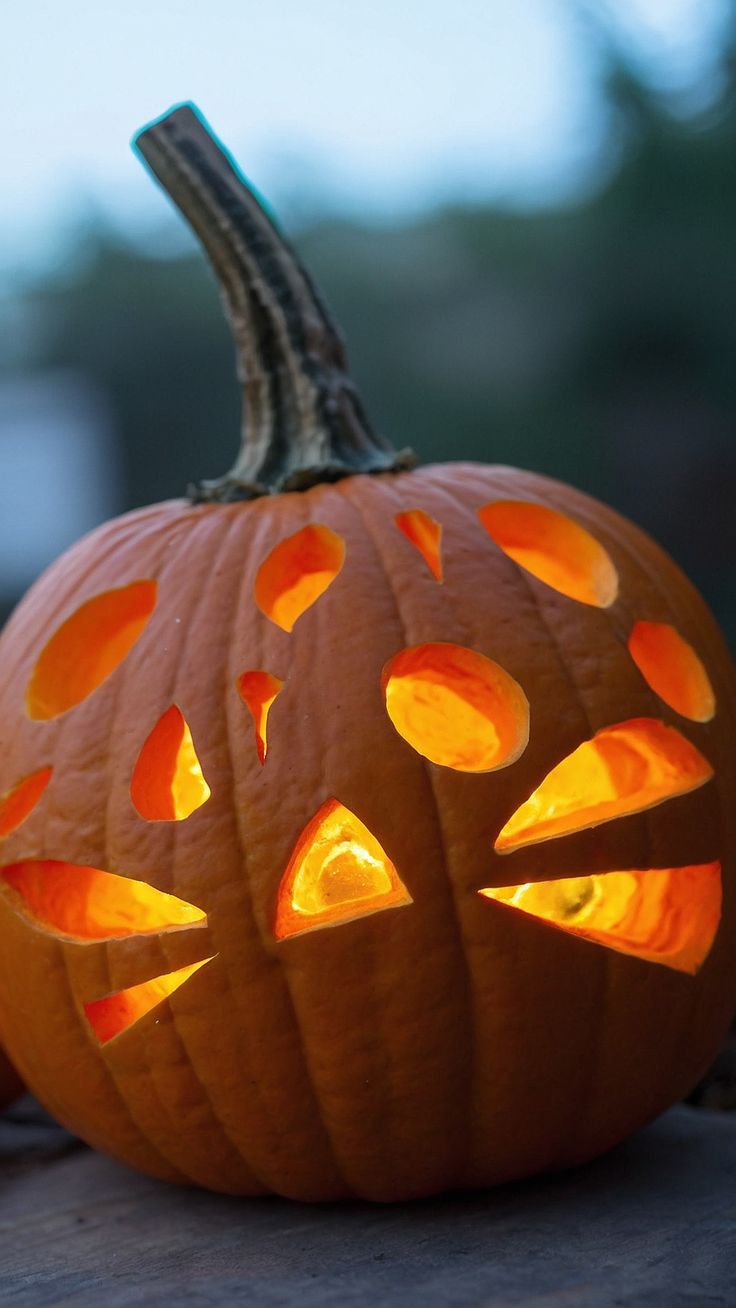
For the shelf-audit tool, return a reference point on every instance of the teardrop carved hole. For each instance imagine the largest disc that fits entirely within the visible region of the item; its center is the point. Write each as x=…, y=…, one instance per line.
x=337, y=872
x=664, y=915
x=456, y=707
x=87, y=903
x=21, y=799
x=258, y=691
x=554, y=549
x=87, y=648
x=623, y=769
x=167, y=783
x=425, y=534
x=296, y=572
x=112, y=1015
x=672, y=669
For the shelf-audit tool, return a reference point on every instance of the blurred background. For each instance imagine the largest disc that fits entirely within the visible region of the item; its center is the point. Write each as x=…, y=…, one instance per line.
x=523, y=215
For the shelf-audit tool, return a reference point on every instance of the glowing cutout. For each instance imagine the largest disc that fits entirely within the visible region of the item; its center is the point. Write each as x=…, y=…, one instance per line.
x=87, y=648
x=110, y=1016
x=426, y=535
x=553, y=548
x=337, y=872
x=21, y=799
x=258, y=691
x=167, y=783
x=456, y=707
x=89, y=904
x=665, y=915
x=672, y=669
x=622, y=769
x=296, y=572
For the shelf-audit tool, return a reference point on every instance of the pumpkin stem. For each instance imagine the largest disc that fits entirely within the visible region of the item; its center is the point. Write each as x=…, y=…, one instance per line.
x=303, y=421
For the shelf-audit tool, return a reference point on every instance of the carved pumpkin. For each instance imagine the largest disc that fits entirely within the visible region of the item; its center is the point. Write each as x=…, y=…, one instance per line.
x=363, y=834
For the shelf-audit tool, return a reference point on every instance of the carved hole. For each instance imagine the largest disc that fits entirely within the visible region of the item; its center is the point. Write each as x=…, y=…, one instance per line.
x=21, y=799
x=258, y=691
x=87, y=648
x=425, y=533
x=664, y=915
x=167, y=783
x=89, y=904
x=296, y=572
x=553, y=548
x=337, y=872
x=112, y=1015
x=456, y=707
x=623, y=769
x=672, y=669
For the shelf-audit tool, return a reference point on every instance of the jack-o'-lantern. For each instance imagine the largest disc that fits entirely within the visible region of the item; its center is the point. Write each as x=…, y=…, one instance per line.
x=367, y=830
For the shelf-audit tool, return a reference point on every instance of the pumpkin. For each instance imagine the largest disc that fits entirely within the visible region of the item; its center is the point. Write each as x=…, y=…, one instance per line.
x=10, y=1085
x=368, y=830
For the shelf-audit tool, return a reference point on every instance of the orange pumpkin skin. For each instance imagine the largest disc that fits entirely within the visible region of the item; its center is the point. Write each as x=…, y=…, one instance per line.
x=10, y=1083
x=448, y=1042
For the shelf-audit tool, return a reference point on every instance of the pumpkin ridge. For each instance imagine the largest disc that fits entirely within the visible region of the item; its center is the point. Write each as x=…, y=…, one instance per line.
x=118, y=696
x=685, y=618
x=606, y=965
x=672, y=600
x=142, y=955
x=62, y=952
x=341, y=1165
x=554, y=644
x=126, y=1109
x=682, y=603
x=599, y=996
x=601, y=989
x=175, y=845
x=233, y=725
x=190, y=1173
x=120, y=685
x=536, y=601
x=231, y=529
x=671, y=604
x=441, y=489
x=63, y=972
x=469, y=1001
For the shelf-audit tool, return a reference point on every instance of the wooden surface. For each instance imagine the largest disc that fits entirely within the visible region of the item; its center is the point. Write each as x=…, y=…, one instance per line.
x=652, y=1223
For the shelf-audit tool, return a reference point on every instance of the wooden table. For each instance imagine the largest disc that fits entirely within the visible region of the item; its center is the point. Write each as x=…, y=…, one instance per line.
x=653, y=1223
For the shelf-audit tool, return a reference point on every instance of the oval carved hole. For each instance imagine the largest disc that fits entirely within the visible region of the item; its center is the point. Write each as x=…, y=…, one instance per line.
x=88, y=903
x=663, y=915
x=87, y=648
x=623, y=769
x=258, y=690
x=112, y=1015
x=167, y=783
x=552, y=548
x=296, y=572
x=672, y=669
x=425, y=534
x=456, y=707
x=337, y=872
x=18, y=802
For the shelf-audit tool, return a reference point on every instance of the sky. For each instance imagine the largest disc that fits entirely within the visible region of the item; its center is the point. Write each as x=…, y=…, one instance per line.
x=376, y=108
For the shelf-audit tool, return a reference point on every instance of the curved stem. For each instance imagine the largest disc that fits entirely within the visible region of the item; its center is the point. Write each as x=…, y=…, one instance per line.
x=303, y=421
